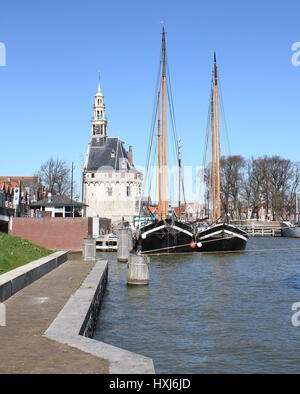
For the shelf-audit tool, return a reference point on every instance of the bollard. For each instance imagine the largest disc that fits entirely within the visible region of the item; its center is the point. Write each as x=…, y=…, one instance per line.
x=130, y=241
x=123, y=245
x=89, y=249
x=138, y=270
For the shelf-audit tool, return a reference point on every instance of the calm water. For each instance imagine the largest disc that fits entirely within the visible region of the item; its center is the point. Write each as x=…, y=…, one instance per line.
x=210, y=313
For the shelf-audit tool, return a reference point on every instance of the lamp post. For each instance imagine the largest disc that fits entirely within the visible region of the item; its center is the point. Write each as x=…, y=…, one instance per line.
x=72, y=176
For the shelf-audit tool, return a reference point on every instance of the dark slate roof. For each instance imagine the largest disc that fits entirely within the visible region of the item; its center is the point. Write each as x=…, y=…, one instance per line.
x=100, y=155
x=57, y=201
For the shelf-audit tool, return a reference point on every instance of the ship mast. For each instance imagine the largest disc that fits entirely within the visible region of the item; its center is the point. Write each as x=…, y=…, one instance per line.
x=213, y=153
x=179, y=177
x=164, y=215
x=217, y=137
x=159, y=159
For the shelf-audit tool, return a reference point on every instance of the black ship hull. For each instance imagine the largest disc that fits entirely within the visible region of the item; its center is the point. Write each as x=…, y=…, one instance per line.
x=166, y=237
x=221, y=237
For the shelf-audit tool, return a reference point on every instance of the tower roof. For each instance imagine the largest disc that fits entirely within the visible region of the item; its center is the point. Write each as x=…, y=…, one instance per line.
x=107, y=154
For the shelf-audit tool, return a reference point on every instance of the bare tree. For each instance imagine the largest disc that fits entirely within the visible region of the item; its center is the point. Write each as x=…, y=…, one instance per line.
x=271, y=182
x=232, y=179
x=55, y=176
x=280, y=174
x=292, y=195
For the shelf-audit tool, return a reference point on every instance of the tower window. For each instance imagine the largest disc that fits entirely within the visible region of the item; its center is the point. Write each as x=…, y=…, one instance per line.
x=98, y=115
x=113, y=153
x=109, y=191
x=128, y=191
x=98, y=102
x=123, y=164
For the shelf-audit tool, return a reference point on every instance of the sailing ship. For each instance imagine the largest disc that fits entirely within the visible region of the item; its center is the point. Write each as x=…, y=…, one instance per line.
x=289, y=229
x=166, y=234
x=219, y=236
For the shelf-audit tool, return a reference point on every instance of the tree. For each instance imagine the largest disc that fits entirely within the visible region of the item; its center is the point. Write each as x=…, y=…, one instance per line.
x=280, y=175
x=255, y=182
x=55, y=176
x=232, y=178
x=294, y=186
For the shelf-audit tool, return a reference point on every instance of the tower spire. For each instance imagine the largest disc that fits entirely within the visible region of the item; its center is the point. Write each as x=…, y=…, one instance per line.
x=99, y=86
x=99, y=121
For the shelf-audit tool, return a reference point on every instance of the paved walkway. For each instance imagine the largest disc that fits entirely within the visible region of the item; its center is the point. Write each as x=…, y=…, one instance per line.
x=23, y=349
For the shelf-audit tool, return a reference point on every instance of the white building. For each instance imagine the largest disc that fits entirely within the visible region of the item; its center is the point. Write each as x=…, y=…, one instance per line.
x=111, y=184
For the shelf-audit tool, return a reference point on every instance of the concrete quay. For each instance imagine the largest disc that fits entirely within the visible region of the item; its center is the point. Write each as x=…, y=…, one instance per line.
x=30, y=312
x=50, y=324
x=76, y=322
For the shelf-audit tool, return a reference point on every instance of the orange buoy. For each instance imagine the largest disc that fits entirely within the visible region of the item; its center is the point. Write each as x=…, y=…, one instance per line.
x=193, y=245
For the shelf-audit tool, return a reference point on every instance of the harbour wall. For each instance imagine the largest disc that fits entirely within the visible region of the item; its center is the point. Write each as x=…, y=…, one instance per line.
x=76, y=322
x=53, y=233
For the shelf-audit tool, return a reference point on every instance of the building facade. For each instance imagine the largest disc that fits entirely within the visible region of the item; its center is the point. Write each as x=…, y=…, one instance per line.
x=111, y=183
x=18, y=192
x=57, y=207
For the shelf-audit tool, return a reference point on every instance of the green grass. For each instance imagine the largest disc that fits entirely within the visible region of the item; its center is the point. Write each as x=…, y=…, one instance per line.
x=15, y=251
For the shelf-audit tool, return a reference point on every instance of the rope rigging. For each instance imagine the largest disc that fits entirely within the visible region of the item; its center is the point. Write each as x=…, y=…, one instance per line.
x=153, y=128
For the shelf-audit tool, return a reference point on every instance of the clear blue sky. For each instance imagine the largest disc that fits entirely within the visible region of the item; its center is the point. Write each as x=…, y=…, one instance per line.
x=55, y=48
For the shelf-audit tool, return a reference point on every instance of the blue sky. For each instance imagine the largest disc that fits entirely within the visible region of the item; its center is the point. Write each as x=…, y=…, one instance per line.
x=54, y=50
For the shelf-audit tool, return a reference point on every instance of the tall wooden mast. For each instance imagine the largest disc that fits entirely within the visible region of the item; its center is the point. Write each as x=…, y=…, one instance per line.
x=159, y=158
x=179, y=177
x=213, y=153
x=164, y=158
x=217, y=138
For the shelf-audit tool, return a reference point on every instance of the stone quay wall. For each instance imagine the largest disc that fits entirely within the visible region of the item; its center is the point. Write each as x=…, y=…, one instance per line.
x=53, y=233
x=75, y=324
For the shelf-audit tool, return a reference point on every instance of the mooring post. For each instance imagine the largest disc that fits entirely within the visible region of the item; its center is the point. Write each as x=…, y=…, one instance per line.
x=123, y=245
x=130, y=242
x=138, y=270
x=89, y=249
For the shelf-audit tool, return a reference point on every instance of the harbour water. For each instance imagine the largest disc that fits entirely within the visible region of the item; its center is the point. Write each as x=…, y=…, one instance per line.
x=210, y=313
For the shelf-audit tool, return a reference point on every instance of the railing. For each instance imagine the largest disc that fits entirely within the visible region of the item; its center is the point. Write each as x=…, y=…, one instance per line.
x=255, y=228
